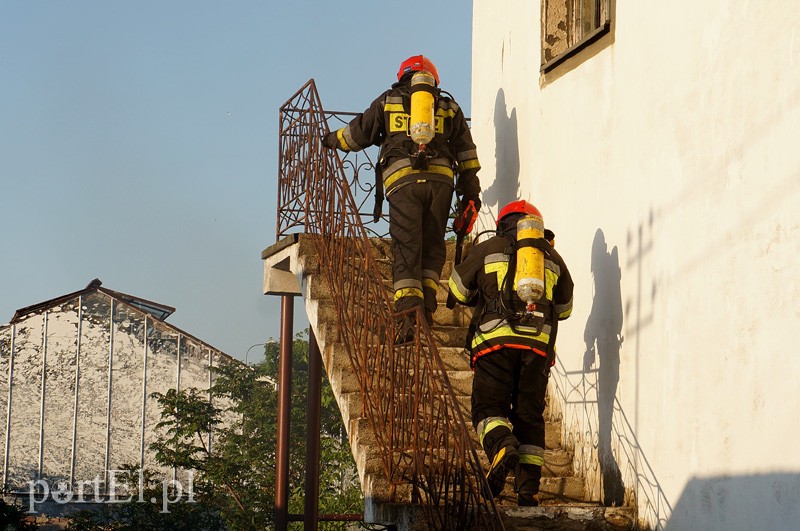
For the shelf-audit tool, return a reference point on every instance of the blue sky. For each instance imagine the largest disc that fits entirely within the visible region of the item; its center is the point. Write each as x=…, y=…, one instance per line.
x=139, y=139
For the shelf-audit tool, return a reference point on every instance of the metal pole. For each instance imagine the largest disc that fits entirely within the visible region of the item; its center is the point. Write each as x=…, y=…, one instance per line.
x=108, y=396
x=210, y=373
x=284, y=409
x=310, y=523
x=246, y=354
x=77, y=377
x=178, y=373
x=210, y=394
x=8, y=405
x=178, y=389
x=41, y=395
x=144, y=392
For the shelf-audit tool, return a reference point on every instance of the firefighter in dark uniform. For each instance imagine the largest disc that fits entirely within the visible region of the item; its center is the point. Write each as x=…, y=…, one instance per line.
x=511, y=357
x=419, y=194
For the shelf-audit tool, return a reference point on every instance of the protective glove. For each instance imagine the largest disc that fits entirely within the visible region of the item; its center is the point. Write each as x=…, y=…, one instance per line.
x=464, y=222
x=330, y=140
x=549, y=236
x=467, y=199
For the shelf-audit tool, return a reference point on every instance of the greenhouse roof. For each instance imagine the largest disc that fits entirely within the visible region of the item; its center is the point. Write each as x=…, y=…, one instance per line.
x=157, y=310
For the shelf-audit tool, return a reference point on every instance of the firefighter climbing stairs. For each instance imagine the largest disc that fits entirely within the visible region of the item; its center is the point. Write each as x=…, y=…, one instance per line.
x=563, y=503
x=405, y=406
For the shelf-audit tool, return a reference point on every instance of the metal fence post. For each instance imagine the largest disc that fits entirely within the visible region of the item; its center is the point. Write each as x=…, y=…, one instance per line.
x=284, y=410
x=313, y=431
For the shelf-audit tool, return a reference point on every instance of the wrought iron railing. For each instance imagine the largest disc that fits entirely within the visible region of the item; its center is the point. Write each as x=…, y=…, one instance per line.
x=420, y=432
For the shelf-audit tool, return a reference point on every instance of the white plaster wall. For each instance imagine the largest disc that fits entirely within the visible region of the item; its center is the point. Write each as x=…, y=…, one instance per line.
x=672, y=152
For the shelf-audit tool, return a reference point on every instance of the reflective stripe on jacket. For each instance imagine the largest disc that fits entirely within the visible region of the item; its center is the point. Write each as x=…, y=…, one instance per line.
x=386, y=123
x=481, y=280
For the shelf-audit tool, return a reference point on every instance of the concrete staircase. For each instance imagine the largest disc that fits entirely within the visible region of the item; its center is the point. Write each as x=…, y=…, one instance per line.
x=564, y=505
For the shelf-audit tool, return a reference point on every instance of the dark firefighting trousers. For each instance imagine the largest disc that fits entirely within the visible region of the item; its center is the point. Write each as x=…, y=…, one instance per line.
x=418, y=214
x=508, y=398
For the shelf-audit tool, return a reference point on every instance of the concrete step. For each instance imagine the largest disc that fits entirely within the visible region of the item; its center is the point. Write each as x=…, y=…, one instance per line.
x=461, y=381
x=552, y=434
x=382, y=247
x=557, y=464
x=383, y=259
x=459, y=316
x=585, y=517
x=449, y=336
x=561, y=489
x=385, y=267
x=454, y=358
x=338, y=368
x=317, y=289
x=578, y=517
x=361, y=425
x=552, y=490
x=344, y=381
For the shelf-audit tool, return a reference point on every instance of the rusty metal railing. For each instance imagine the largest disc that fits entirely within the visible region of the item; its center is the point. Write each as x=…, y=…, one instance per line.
x=420, y=432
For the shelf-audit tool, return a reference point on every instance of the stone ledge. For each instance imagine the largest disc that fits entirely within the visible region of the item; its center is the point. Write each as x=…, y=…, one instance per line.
x=552, y=490
x=569, y=518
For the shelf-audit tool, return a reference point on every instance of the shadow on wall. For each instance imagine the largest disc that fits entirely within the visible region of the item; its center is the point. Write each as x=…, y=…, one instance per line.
x=505, y=187
x=603, y=339
x=769, y=501
x=576, y=389
x=605, y=444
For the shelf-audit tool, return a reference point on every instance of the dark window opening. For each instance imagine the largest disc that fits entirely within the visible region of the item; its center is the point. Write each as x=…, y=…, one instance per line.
x=568, y=26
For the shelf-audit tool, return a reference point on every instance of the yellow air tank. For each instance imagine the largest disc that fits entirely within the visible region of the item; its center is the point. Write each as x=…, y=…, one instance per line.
x=422, y=127
x=529, y=276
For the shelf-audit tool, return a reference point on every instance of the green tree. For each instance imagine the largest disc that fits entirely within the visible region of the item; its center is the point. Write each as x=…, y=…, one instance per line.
x=236, y=464
x=339, y=488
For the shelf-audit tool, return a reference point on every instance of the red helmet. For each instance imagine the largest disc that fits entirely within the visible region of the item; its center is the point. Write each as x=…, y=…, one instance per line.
x=518, y=207
x=416, y=63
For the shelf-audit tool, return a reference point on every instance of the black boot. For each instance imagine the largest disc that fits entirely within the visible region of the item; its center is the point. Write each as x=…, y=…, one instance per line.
x=406, y=330
x=502, y=449
x=528, y=499
x=504, y=462
x=527, y=478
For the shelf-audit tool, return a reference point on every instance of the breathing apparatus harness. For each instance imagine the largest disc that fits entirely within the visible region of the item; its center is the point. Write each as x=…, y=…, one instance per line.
x=421, y=94
x=521, y=320
x=422, y=117
x=533, y=315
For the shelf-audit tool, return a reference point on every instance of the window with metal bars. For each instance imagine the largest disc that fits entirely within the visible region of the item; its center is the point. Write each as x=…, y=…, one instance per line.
x=569, y=26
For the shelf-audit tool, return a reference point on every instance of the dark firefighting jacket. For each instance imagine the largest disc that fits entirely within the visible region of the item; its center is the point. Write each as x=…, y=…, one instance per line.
x=485, y=279
x=386, y=123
